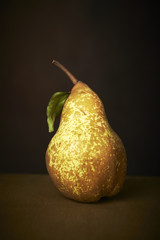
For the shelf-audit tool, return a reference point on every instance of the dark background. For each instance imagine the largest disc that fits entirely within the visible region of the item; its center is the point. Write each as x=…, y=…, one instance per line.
x=112, y=47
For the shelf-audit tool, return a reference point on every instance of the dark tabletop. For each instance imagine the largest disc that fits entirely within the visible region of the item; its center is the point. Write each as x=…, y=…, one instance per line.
x=32, y=208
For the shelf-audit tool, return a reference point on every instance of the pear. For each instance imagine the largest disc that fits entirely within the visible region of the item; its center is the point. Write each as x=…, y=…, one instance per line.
x=85, y=158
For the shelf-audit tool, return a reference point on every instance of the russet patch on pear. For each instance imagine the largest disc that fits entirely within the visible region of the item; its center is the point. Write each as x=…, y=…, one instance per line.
x=85, y=158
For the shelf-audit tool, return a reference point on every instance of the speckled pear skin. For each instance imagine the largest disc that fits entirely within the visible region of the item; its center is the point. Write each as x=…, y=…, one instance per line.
x=85, y=158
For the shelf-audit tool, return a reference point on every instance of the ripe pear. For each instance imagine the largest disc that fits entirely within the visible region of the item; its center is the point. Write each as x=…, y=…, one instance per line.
x=85, y=158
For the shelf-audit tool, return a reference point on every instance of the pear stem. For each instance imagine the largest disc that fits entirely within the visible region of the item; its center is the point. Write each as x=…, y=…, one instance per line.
x=70, y=75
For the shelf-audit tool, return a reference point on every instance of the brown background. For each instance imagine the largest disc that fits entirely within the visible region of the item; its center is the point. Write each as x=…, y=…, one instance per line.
x=112, y=47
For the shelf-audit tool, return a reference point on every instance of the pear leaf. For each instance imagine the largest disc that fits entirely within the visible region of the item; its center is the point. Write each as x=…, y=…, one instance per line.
x=55, y=107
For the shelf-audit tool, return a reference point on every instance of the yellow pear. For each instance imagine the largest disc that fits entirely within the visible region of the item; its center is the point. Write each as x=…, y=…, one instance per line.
x=85, y=159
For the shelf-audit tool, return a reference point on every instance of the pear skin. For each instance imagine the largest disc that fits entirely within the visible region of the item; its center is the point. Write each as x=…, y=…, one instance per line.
x=86, y=159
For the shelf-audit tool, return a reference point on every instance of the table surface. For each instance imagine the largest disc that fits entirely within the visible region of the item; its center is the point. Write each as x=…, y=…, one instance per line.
x=32, y=208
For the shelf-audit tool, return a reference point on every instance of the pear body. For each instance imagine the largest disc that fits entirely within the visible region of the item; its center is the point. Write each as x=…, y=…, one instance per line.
x=86, y=159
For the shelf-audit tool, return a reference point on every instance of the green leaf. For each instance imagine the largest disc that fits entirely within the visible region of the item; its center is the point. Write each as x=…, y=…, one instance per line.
x=55, y=107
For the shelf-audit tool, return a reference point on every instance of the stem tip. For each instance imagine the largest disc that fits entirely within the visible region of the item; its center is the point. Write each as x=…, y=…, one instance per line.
x=65, y=70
